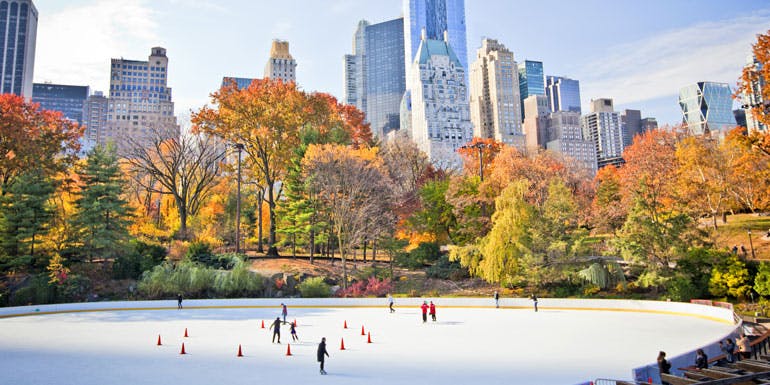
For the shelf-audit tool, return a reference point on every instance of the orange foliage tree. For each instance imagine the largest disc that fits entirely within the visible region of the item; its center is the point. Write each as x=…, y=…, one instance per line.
x=34, y=138
x=478, y=150
x=703, y=175
x=755, y=79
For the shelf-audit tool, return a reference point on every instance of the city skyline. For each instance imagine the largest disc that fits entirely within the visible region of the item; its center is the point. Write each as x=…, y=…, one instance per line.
x=640, y=62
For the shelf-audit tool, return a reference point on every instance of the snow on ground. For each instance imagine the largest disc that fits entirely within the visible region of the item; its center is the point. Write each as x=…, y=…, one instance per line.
x=466, y=345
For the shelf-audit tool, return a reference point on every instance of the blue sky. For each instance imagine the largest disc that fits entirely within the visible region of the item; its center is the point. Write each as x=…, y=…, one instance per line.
x=638, y=52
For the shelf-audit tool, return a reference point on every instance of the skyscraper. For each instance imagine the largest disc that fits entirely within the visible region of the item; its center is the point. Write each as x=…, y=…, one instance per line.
x=753, y=98
x=435, y=17
x=563, y=93
x=140, y=107
x=707, y=108
x=18, y=33
x=631, y=122
x=68, y=100
x=536, y=109
x=281, y=65
x=531, y=81
x=602, y=127
x=495, y=100
x=94, y=118
x=565, y=137
x=440, y=112
x=375, y=74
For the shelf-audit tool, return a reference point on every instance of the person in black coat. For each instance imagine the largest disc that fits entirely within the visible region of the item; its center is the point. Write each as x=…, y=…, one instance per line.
x=276, y=326
x=663, y=366
x=322, y=354
x=701, y=359
x=179, y=301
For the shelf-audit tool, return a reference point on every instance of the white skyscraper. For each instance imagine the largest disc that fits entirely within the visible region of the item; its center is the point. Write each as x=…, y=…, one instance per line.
x=281, y=65
x=440, y=113
x=494, y=99
x=603, y=128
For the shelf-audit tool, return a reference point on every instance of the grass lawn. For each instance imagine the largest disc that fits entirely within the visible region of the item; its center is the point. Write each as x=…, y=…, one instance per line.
x=735, y=232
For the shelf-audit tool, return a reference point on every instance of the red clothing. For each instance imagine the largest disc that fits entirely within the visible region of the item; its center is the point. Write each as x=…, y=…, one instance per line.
x=432, y=309
x=424, y=308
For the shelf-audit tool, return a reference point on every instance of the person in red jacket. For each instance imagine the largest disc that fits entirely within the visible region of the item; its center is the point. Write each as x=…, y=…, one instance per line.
x=432, y=311
x=424, y=308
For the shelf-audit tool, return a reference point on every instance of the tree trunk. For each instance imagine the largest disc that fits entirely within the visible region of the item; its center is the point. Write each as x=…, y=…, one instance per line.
x=260, y=196
x=294, y=246
x=374, y=251
x=365, y=242
x=724, y=217
x=344, y=265
x=182, y=210
x=272, y=250
x=714, y=219
x=312, y=245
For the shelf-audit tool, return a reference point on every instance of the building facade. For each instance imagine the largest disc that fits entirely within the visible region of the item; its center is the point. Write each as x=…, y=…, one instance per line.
x=563, y=93
x=439, y=108
x=649, y=124
x=241, y=83
x=531, y=81
x=565, y=137
x=537, y=110
x=753, y=98
x=69, y=100
x=281, y=65
x=602, y=127
x=494, y=95
x=631, y=122
x=707, y=108
x=375, y=75
x=94, y=118
x=18, y=34
x=434, y=17
x=139, y=108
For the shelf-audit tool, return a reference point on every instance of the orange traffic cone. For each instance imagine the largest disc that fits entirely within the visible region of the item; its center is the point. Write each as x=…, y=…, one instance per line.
x=159, y=340
x=240, y=353
x=185, y=332
x=342, y=344
x=345, y=325
x=182, y=352
x=369, y=338
x=288, y=349
x=263, y=324
x=362, y=330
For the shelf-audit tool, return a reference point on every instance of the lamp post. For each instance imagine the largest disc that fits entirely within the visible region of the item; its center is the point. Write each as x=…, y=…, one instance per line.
x=239, y=148
x=751, y=244
x=480, y=147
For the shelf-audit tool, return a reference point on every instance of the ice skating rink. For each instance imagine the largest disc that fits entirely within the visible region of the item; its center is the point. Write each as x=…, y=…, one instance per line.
x=467, y=345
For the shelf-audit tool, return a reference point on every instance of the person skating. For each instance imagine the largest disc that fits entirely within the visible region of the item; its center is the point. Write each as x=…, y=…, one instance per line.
x=390, y=303
x=322, y=354
x=179, y=301
x=424, y=308
x=284, y=312
x=534, y=300
x=497, y=299
x=432, y=311
x=276, y=326
x=293, y=331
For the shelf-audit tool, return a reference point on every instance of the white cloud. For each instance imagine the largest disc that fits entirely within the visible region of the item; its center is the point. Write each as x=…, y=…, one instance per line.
x=204, y=5
x=659, y=65
x=74, y=46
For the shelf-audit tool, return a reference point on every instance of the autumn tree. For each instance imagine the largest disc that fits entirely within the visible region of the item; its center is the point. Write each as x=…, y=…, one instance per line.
x=34, y=139
x=749, y=173
x=102, y=214
x=353, y=188
x=477, y=153
x=703, y=175
x=607, y=210
x=184, y=168
x=755, y=80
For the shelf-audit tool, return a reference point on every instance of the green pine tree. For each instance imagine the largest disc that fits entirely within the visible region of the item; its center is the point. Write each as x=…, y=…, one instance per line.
x=25, y=217
x=102, y=214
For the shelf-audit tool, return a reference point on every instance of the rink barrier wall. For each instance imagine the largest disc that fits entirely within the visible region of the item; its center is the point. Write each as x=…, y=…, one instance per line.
x=713, y=313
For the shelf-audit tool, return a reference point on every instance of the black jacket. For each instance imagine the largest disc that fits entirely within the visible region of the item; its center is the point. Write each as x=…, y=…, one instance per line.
x=322, y=351
x=702, y=362
x=664, y=366
x=276, y=326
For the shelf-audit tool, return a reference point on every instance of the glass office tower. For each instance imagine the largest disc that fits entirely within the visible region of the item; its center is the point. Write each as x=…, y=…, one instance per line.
x=69, y=100
x=18, y=32
x=707, y=107
x=563, y=93
x=531, y=81
x=435, y=17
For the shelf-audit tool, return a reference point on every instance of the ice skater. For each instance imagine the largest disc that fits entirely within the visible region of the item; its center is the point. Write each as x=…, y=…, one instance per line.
x=276, y=326
x=284, y=312
x=424, y=308
x=390, y=303
x=497, y=299
x=432, y=311
x=322, y=354
x=293, y=331
x=179, y=301
x=534, y=301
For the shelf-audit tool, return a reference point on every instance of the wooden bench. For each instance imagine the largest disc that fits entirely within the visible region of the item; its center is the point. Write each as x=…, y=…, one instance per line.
x=676, y=380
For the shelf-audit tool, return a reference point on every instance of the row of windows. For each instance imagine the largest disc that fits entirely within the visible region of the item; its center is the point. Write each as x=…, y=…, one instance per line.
x=138, y=67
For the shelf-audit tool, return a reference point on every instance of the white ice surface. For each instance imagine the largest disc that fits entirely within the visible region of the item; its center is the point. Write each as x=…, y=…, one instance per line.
x=466, y=346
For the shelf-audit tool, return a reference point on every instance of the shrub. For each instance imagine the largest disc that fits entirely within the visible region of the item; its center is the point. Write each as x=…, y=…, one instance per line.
x=166, y=280
x=239, y=282
x=140, y=258
x=730, y=278
x=446, y=269
x=314, y=287
x=373, y=287
x=372, y=271
x=199, y=252
x=680, y=288
x=424, y=254
x=37, y=291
